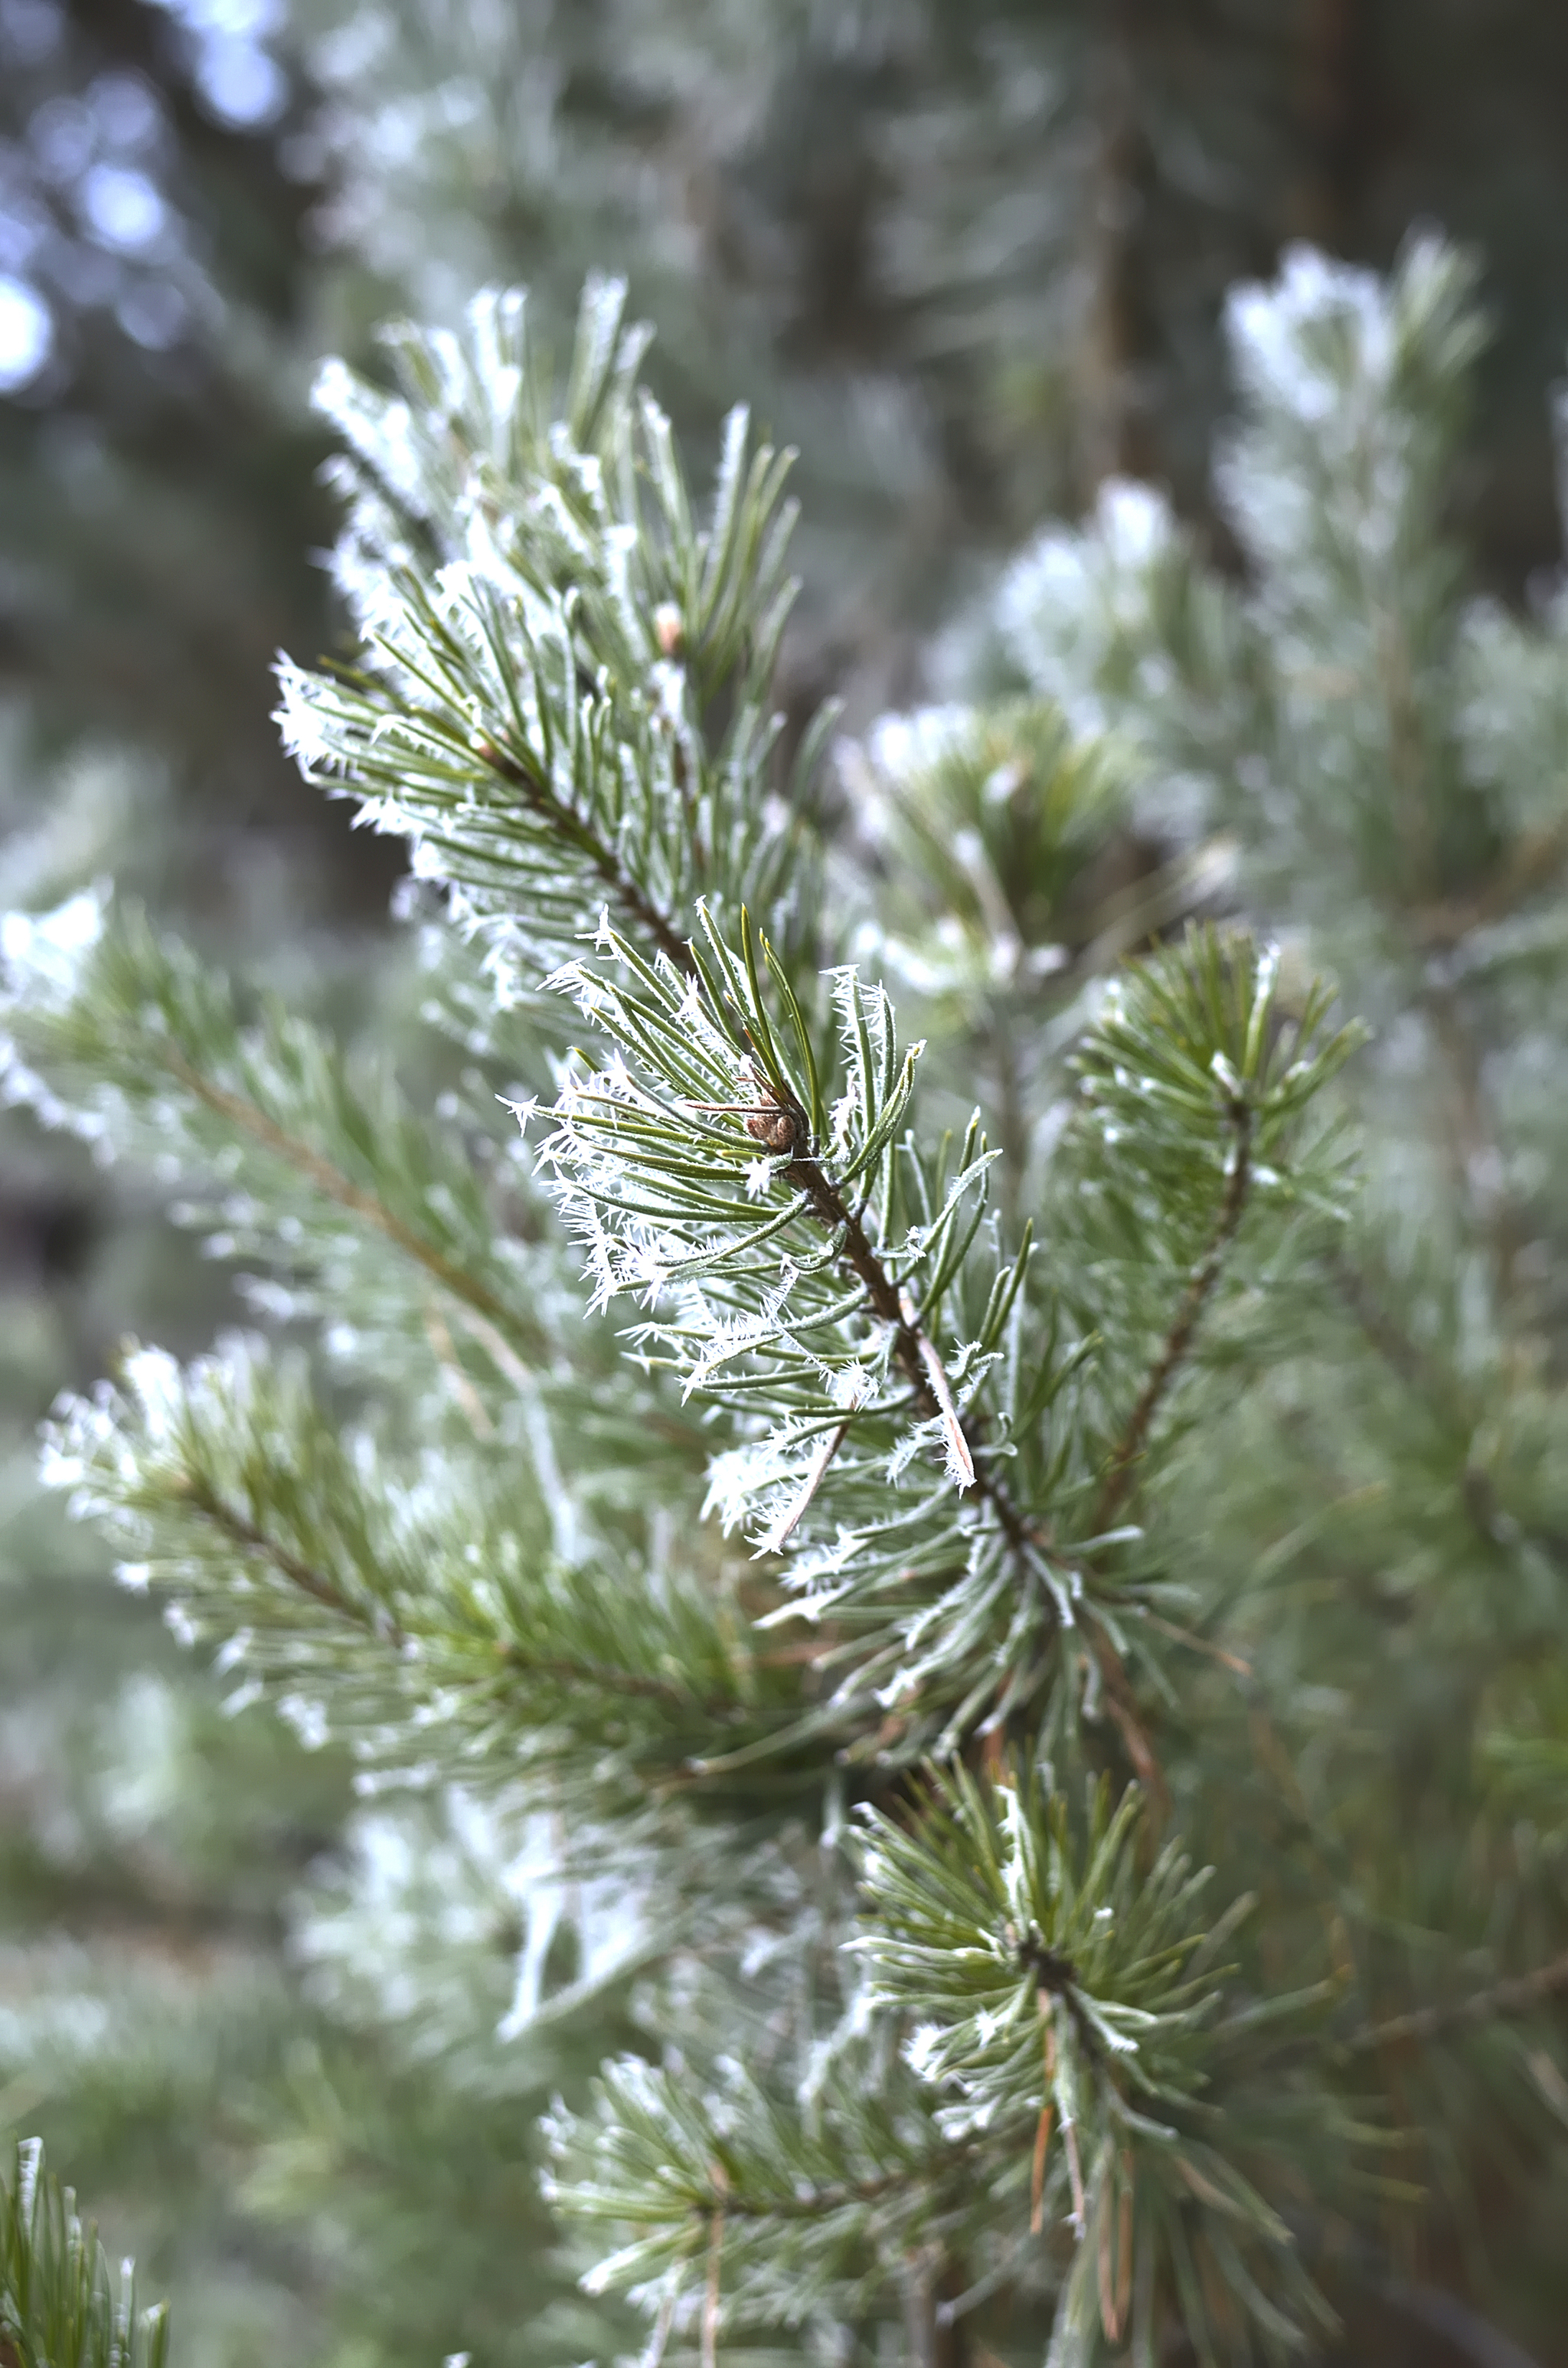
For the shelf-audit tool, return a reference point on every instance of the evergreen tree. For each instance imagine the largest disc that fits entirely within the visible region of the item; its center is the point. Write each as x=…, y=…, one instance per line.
x=1368, y=760
x=1000, y=290
x=874, y=1804
x=969, y=259
x=156, y=481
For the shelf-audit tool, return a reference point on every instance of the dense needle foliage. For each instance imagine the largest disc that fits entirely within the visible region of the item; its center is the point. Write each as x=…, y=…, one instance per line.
x=978, y=1823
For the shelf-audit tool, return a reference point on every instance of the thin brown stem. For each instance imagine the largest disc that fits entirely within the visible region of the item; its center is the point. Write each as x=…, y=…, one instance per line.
x=600, y=1677
x=939, y=2338
x=1123, y=1472
x=244, y=1116
x=1114, y=430
x=817, y=2201
x=911, y=1346
x=242, y=1531
x=1334, y=120
x=1518, y=1994
x=604, y=859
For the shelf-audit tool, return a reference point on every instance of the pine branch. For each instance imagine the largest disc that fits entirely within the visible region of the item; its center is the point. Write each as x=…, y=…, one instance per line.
x=246, y=1118
x=1019, y=1937
x=132, y=1017
x=912, y=1346
x=1492, y=1521
x=577, y=637
x=566, y=706
x=650, y=1176
x=844, y=2210
x=381, y=1603
x=923, y=2172
x=639, y=908
x=1518, y=1994
x=515, y=1655
x=915, y=1353
x=649, y=1182
x=251, y=1540
x=784, y=1124
x=1025, y=1958
x=59, y=2303
x=889, y=1302
x=1121, y=1475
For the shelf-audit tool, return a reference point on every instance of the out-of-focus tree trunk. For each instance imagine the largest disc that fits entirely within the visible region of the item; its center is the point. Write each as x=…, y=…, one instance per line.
x=1116, y=428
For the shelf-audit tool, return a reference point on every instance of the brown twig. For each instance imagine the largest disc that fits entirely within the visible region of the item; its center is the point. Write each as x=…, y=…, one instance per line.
x=331, y=1182
x=1196, y=1643
x=1535, y=862
x=1517, y=1995
x=1114, y=430
x=242, y=1531
x=1042, y=2127
x=615, y=877
x=795, y=1512
x=1036, y=2169
x=1121, y=1473
x=1334, y=111
x=629, y=1683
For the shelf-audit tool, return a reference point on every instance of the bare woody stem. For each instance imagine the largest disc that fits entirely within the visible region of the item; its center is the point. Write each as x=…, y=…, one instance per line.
x=1114, y=430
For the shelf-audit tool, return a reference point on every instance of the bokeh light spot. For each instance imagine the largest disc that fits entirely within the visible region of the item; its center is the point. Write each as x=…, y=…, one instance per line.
x=241, y=84
x=27, y=335
x=122, y=209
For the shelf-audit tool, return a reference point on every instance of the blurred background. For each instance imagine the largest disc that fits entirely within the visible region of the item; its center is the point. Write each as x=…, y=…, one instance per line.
x=970, y=256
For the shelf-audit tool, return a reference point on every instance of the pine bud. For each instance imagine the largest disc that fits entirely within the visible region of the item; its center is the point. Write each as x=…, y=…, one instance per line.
x=669, y=629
